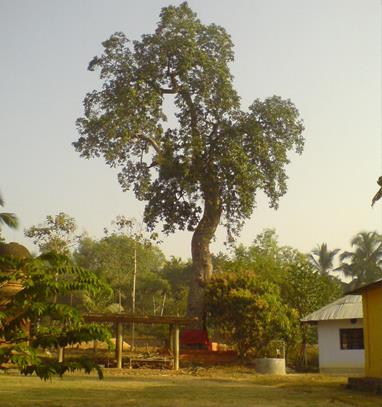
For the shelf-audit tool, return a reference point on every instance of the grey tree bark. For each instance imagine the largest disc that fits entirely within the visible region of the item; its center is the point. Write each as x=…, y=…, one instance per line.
x=201, y=256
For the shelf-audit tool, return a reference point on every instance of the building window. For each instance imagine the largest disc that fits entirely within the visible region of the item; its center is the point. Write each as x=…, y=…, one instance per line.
x=351, y=338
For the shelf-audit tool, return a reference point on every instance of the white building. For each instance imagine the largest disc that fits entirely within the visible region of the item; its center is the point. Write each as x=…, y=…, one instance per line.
x=340, y=335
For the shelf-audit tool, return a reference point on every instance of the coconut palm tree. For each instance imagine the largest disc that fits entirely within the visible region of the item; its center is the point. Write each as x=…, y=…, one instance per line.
x=7, y=218
x=322, y=258
x=364, y=263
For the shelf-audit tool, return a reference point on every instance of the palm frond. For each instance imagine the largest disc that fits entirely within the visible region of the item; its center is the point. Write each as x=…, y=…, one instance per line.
x=9, y=219
x=323, y=258
x=364, y=262
x=346, y=255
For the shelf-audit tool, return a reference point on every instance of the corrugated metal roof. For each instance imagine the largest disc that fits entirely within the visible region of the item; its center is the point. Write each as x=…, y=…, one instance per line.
x=347, y=307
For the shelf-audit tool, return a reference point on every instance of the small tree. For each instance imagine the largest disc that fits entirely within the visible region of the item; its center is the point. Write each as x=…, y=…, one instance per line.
x=178, y=273
x=305, y=290
x=264, y=257
x=302, y=288
x=56, y=235
x=248, y=311
x=31, y=322
x=208, y=168
x=112, y=258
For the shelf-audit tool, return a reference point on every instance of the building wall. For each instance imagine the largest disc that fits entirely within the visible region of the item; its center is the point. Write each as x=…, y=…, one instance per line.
x=332, y=358
x=372, y=311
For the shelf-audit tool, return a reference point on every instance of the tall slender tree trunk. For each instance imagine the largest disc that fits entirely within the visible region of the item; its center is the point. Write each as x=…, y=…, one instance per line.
x=201, y=256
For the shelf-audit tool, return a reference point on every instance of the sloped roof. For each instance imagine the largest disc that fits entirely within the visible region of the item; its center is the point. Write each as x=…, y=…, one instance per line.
x=347, y=307
x=367, y=287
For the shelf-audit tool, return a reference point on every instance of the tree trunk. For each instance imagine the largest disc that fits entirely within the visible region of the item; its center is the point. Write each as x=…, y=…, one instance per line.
x=201, y=256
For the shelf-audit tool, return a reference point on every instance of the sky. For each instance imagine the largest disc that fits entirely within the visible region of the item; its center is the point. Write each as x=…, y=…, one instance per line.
x=324, y=55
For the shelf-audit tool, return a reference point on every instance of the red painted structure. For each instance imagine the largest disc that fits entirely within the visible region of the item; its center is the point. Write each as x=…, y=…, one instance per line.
x=195, y=338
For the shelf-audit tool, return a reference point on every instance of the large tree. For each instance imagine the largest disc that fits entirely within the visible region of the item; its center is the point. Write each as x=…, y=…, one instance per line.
x=207, y=167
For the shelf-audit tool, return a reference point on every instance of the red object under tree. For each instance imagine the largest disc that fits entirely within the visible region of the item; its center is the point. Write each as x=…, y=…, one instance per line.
x=195, y=338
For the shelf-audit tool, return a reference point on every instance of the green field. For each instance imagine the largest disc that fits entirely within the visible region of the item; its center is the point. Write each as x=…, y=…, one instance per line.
x=205, y=387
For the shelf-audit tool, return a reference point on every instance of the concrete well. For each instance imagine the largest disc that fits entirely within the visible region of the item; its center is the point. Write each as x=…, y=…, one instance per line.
x=270, y=366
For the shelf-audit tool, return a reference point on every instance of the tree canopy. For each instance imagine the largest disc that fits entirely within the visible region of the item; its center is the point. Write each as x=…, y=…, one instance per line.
x=296, y=287
x=247, y=310
x=322, y=258
x=208, y=166
x=364, y=262
x=112, y=259
x=56, y=234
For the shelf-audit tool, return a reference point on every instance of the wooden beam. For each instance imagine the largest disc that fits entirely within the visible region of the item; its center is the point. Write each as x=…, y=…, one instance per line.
x=128, y=318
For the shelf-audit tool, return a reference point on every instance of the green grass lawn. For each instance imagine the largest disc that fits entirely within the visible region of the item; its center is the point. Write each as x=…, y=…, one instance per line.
x=205, y=387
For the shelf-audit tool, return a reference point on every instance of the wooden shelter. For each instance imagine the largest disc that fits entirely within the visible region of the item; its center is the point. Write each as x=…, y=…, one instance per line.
x=119, y=319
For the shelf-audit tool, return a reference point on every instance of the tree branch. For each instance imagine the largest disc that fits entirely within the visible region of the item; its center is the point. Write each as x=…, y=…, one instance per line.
x=154, y=163
x=167, y=91
x=174, y=84
x=151, y=141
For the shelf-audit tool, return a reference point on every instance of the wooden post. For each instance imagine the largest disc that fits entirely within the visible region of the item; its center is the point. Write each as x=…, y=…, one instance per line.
x=60, y=351
x=119, y=344
x=171, y=338
x=176, y=347
x=133, y=295
x=116, y=341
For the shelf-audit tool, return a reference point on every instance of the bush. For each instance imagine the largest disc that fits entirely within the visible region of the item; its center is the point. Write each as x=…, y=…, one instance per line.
x=247, y=311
